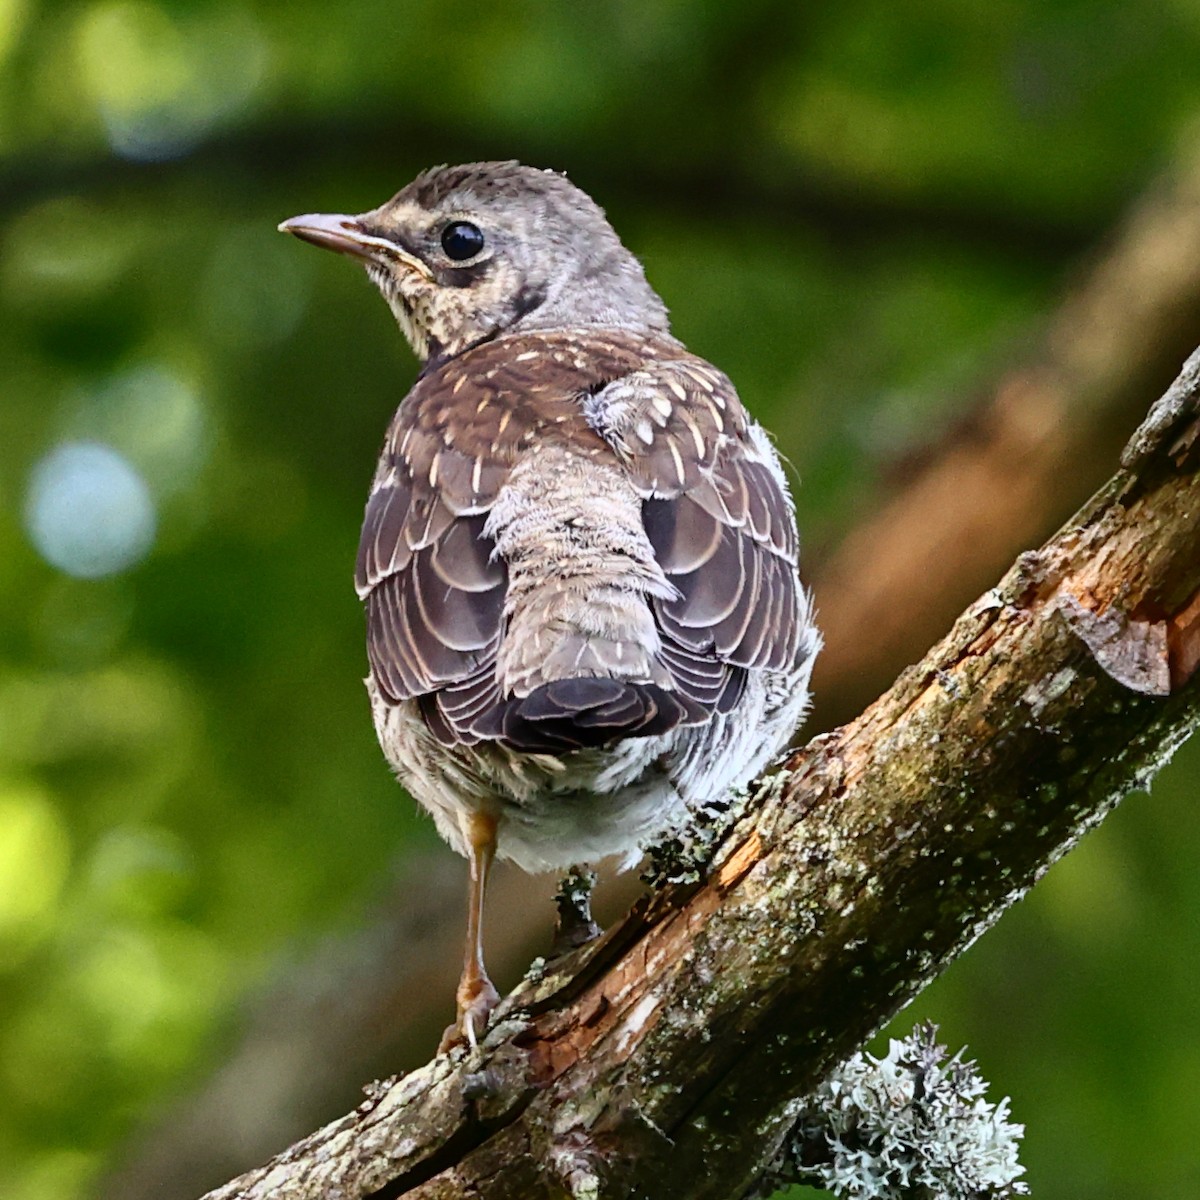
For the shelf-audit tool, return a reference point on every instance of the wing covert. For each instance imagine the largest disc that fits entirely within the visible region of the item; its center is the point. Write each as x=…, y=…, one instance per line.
x=719, y=518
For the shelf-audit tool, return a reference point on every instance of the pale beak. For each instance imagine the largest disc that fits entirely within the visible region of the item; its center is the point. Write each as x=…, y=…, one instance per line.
x=346, y=235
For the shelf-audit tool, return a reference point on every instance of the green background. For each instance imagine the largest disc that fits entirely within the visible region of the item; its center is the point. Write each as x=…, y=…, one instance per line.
x=860, y=210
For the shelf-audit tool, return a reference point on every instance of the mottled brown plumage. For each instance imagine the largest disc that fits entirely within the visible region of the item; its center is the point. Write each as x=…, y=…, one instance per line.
x=579, y=557
x=716, y=518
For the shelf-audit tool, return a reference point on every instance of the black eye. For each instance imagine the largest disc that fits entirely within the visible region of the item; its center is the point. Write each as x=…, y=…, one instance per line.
x=462, y=240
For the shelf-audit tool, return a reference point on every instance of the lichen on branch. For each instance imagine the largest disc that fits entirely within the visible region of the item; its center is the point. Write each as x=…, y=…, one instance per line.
x=911, y=1125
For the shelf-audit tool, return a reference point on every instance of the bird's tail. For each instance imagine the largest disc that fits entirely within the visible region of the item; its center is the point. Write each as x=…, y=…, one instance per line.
x=570, y=714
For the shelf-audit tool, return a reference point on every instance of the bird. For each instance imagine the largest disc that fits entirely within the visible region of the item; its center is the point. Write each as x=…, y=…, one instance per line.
x=579, y=556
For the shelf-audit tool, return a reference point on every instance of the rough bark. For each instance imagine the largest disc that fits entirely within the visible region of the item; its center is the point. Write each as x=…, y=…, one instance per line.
x=664, y=1060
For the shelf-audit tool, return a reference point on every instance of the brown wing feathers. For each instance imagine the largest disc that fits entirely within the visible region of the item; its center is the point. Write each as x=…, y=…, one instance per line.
x=722, y=529
x=717, y=518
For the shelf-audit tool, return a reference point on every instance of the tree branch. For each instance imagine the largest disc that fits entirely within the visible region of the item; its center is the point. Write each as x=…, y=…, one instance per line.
x=862, y=867
x=1016, y=466
x=291, y=154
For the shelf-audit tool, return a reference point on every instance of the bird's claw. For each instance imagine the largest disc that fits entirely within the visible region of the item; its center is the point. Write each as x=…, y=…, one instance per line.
x=476, y=1002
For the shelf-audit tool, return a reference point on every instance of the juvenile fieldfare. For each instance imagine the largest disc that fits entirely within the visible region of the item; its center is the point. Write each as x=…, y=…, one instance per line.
x=579, y=553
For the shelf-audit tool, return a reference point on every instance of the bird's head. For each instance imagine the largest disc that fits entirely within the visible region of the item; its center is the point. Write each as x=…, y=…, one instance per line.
x=464, y=253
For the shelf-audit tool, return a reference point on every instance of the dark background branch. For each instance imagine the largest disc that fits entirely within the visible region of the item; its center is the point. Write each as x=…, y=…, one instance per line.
x=284, y=159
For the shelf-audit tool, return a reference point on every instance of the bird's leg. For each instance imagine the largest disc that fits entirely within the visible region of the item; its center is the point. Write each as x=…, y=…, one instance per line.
x=476, y=994
x=575, y=926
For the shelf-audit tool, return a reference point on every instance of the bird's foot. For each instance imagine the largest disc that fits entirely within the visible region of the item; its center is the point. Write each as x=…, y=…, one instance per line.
x=477, y=999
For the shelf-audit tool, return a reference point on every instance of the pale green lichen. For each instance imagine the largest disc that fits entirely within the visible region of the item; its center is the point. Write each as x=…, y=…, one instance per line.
x=913, y=1125
x=685, y=855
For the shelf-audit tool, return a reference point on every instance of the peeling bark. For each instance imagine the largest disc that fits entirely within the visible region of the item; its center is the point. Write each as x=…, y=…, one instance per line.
x=664, y=1059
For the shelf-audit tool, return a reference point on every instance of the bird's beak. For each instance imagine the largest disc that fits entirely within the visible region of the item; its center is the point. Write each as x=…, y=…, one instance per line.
x=346, y=235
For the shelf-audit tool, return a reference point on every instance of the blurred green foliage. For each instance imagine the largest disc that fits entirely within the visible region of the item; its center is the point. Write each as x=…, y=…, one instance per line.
x=859, y=210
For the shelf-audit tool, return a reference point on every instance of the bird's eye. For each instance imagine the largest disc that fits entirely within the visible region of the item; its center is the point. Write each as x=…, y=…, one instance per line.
x=462, y=240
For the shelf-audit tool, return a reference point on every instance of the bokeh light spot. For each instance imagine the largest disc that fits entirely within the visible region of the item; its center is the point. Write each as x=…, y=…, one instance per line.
x=64, y=250
x=34, y=854
x=147, y=987
x=88, y=512
x=59, y=1175
x=153, y=415
x=12, y=20
x=160, y=86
